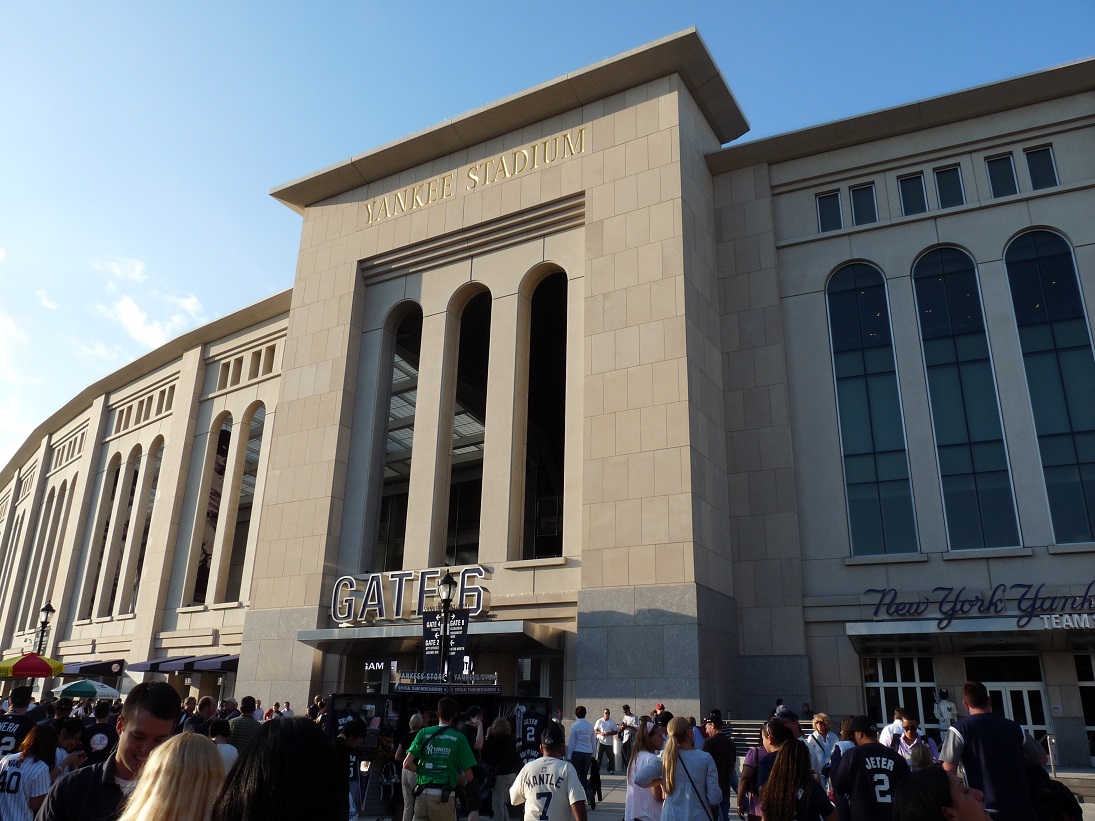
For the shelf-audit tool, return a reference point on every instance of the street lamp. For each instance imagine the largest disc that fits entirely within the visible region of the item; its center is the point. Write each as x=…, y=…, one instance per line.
x=47, y=611
x=446, y=591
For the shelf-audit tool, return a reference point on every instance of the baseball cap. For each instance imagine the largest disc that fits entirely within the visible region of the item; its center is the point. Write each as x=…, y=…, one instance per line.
x=659, y=706
x=714, y=717
x=784, y=714
x=865, y=725
x=553, y=736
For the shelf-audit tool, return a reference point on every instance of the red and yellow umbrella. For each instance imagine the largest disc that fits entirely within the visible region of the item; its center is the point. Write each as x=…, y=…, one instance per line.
x=30, y=665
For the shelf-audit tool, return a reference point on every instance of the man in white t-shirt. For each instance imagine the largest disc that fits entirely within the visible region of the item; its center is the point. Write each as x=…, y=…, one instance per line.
x=549, y=786
x=606, y=730
x=629, y=725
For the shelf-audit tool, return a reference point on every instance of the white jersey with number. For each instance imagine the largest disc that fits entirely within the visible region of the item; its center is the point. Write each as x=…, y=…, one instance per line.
x=21, y=781
x=547, y=787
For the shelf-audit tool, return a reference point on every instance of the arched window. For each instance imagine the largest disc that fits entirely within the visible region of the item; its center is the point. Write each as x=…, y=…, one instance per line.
x=28, y=609
x=1060, y=369
x=876, y=465
x=468, y=429
x=100, y=534
x=969, y=438
x=132, y=584
x=216, y=465
x=116, y=553
x=399, y=443
x=245, y=505
x=546, y=429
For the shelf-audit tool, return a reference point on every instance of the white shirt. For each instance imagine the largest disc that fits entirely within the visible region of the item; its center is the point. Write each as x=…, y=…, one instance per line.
x=603, y=726
x=886, y=737
x=581, y=737
x=229, y=754
x=30, y=779
x=287, y=713
x=547, y=787
x=628, y=726
x=640, y=803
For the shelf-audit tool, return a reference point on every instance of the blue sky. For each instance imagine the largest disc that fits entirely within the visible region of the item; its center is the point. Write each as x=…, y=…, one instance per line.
x=138, y=141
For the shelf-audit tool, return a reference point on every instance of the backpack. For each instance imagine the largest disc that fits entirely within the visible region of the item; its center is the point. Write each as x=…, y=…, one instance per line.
x=1052, y=800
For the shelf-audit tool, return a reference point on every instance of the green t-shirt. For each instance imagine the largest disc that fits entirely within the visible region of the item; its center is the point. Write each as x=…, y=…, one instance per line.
x=441, y=756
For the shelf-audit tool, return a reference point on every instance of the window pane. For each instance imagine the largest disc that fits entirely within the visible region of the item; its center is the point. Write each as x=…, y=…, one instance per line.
x=1040, y=165
x=963, y=519
x=865, y=519
x=898, y=522
x=948, y=185
x=828, y=212
x=1002, y=176
x=1066, y=504
x=913, y=200
x=997, y=509
x=863, y=206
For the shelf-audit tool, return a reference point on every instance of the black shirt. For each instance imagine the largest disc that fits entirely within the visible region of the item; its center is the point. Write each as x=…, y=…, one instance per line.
x=99, y=742
x=86, y=794
x=13, y=729
x=867, y=775
x=722, y=749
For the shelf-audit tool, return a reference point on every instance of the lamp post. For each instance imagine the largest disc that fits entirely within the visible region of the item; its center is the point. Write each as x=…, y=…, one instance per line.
x=47, y=611
x=446, y=591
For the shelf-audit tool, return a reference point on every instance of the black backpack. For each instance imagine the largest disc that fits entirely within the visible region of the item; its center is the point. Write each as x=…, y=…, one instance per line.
x=1052, y=800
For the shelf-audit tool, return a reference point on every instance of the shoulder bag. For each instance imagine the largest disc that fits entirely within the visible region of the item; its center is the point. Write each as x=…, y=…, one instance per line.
x=701, y=797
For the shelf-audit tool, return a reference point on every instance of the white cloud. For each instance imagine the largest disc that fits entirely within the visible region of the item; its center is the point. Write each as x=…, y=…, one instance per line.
x=152, y=333
x=129, y=270
x=46, y=302
x=96, y=349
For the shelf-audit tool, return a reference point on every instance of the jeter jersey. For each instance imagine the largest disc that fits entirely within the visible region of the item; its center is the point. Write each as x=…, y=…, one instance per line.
x=21, y=781
x=867, y=774
x=547, y=787
x=13, y=729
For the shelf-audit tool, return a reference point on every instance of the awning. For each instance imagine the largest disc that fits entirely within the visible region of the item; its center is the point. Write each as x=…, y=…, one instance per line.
x=404, y=637
x=214, y=663
x=161, y=665
x=995, y=635
x=110, y=667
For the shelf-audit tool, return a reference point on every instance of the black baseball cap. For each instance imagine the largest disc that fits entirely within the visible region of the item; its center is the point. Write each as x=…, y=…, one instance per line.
x=553, y=736
x=865, y=725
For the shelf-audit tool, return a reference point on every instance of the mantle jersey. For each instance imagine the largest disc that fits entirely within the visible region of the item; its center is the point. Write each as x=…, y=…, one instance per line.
x=547, y=787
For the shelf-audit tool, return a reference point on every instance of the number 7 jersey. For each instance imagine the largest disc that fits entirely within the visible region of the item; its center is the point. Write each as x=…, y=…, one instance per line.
x=547, y=787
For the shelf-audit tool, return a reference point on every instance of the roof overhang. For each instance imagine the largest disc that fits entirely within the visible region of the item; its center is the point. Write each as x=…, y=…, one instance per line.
x=512, y=636
x=991, y=635
x=992, y=98
x=683, y=53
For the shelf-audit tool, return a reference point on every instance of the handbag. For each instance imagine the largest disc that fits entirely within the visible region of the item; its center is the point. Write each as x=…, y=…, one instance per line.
x=699, y=796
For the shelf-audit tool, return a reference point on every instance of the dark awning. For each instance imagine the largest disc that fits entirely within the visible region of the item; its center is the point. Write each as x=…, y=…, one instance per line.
x=515, y=636
x=167, y=664
x=111, y=667
x=219, y=663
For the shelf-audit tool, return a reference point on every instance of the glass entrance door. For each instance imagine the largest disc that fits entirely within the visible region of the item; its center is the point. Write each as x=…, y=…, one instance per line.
x=1024, y=703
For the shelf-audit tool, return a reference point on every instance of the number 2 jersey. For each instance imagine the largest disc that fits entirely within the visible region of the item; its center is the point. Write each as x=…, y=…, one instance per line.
x=867, y=775
x=547, y=787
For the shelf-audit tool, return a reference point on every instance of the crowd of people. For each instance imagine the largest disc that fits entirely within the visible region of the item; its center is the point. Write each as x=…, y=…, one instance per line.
x=152, y=757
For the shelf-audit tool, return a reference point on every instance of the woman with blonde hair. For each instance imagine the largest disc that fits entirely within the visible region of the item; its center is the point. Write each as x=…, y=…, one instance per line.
x=689, y=777
x=644, y=803
x=178, y=782
x=791, y=793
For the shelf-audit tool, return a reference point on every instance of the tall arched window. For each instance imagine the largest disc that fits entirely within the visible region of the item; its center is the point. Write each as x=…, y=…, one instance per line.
x=99, y=536
x=116, y=554
x=28, y=609
x=216, y=465
x=132, y=584
x=1060, y=369
x=546, y=431
x=468, y=429
x=399, y=442
x=876, y=465
x=245, y=505
x=969, y=438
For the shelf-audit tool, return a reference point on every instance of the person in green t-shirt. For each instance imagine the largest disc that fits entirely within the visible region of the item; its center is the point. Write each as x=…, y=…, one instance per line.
x=441, y=759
